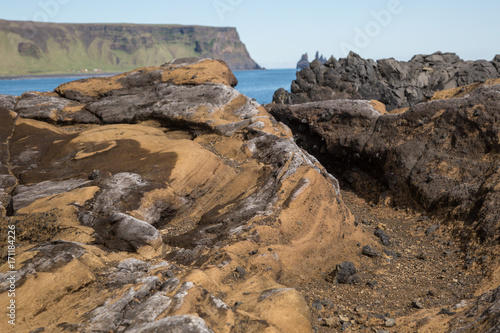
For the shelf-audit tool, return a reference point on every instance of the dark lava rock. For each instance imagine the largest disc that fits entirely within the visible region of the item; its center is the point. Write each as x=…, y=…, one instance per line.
x=241, y=271
x=436, y=156
x=384, y=238
x=344, y=273
x=394, y=83
x=367, y=250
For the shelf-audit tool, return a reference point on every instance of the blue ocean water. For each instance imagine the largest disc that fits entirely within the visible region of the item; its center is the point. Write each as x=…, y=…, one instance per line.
x=255, y=84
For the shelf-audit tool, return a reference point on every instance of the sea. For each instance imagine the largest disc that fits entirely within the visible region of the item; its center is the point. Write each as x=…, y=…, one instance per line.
x=260, y=84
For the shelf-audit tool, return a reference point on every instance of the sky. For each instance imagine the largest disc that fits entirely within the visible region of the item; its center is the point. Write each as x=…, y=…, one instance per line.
x=278, y=32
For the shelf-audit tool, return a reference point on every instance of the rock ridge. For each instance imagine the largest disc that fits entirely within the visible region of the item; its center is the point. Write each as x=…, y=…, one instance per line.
x=397, y=84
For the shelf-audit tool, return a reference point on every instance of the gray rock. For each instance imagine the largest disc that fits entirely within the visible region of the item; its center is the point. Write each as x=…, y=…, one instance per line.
x=25, y=195
x=150, y=309
x=384, y=238
x=133, y=265
x=432, y=229
x=138, y=233
x=174, y=324
x=345, y=273
x=367, y=250
x=8, y=101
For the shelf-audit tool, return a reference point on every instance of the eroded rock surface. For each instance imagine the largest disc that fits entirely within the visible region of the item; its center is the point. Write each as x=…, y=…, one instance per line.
x=157, y=185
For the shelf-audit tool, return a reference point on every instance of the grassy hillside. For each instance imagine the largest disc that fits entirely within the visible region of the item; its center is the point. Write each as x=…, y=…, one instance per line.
x=51, y=48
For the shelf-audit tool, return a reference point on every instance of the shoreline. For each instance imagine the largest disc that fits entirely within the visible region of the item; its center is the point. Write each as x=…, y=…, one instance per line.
x=48, y=76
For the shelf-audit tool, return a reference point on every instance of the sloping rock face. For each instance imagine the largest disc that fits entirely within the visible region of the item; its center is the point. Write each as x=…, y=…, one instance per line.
x=162, y=200
x=397, y=84
x=441, y=156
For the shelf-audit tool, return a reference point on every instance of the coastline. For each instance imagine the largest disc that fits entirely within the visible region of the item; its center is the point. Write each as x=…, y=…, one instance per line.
x=48, y=76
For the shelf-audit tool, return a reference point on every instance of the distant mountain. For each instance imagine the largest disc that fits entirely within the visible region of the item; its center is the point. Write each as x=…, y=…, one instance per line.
x=304, y=60
x=45, y=48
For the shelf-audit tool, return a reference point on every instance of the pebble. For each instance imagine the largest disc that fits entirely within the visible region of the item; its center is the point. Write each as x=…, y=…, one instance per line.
x=384, y=238
x=367, y=250
x=330, y=322
x=317, y=305
x=445, y=311
x=432, y=229
x=417, y=304
x=390, y=322
x=343, y=319
x=241, y=271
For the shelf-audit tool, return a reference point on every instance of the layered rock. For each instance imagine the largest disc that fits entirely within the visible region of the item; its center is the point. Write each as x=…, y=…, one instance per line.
x=397, y=84
x=440, y=156
x=163, y=200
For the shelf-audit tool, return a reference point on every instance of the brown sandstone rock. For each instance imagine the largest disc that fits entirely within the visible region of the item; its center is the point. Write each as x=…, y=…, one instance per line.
x=163, y=180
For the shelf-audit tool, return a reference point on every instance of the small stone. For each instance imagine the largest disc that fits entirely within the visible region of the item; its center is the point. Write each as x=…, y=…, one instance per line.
x=254, y=252
x=390, y=322
x=241, y=271
x=372, y=284
x=317, y=305
x=328, y=303
x=330, y=322
x=369, y=251
x=384, y=238
x=344, y=273
x=94, y=175
x=422, y=256
x=417, y=304
x=343, y=319
x=445, y=311
x=432, y=229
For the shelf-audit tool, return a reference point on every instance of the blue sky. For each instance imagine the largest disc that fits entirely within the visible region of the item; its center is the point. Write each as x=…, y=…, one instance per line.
x=277, y=32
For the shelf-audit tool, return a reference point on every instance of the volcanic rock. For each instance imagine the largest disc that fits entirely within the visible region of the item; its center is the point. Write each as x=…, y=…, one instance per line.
x=396, y=84
x=440, y=156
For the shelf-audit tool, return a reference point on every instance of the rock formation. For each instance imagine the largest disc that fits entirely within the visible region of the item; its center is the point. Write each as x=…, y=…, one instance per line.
x=440, y=156
x=304, y=60
x=397, y=84
x=47, y=48
x=162, y=199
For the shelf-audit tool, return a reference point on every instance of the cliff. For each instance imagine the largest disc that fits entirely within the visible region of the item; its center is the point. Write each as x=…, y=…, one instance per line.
x=46, y=48
x=395, y=83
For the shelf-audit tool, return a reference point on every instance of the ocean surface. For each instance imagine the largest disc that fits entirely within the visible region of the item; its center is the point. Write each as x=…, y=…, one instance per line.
x=260, y=85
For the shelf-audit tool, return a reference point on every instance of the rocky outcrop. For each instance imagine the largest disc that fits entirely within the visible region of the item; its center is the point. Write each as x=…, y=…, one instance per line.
x=48, y=48
x=396, y=84
x=440, y=156
x=162, y=199
x=304, y=60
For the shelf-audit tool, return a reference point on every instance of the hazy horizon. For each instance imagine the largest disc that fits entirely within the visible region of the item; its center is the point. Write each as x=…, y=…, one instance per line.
x=278, y=33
